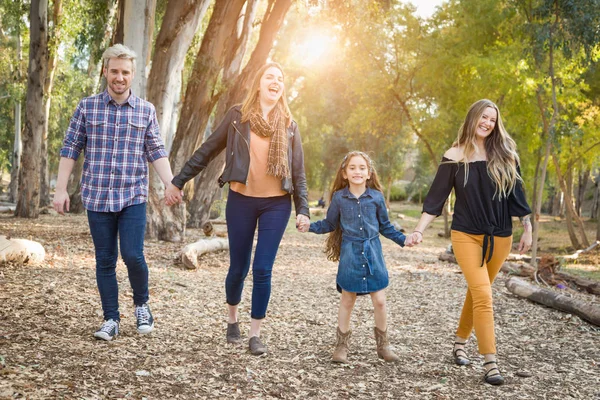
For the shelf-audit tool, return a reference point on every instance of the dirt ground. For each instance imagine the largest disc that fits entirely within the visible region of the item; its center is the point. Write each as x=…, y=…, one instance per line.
x=49, y=312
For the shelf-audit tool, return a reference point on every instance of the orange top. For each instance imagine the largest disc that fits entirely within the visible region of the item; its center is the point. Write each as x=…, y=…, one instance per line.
x=259, y=184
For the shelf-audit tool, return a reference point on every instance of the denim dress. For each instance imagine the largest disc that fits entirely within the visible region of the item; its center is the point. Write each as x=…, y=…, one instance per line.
x=361, y=268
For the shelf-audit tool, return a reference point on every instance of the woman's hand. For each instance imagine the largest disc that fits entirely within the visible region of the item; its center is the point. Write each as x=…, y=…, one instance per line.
x=525, y=243
x=302, y=223
x=173, y=195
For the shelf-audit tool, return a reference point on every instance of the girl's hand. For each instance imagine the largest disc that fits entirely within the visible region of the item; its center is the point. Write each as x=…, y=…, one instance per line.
x=525, y=243
x=302, y=223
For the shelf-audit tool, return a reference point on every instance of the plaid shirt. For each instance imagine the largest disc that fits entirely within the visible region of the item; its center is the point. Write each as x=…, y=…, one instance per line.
x=118, y=141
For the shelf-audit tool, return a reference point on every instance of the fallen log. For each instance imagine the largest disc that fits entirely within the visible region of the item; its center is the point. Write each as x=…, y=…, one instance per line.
x=6, y=209
x=191, y=252
x=558, y=301
x=21, y=251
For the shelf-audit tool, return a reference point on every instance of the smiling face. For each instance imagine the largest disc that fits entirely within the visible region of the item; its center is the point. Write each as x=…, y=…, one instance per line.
x=486, y=123
x=357, y=171
x=119, y=75
x=271, y=85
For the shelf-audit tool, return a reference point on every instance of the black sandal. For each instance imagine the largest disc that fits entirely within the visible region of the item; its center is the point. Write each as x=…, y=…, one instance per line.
x=495, y=379
x=459, y=359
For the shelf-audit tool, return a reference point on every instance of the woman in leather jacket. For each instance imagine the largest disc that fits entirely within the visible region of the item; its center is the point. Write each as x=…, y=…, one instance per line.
x=264, y=168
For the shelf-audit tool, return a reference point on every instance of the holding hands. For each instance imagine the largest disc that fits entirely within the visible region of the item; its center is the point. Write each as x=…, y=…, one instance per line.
x=173, y=195
x=302, y=223
x=413, y=239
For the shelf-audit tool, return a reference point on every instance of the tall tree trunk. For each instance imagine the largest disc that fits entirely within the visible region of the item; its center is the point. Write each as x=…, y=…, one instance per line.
x=235, y=52
x=199, y=101
x=597, y=223
x=535, y=178
x=596, y=198
x=549, y=133
x=138, y=30
x=199, y=96
x=571, y=214
x=180, y=23
x=271, y=24
x=18, y=145
x=582, y=182
x=54, y=40
x=28, y=204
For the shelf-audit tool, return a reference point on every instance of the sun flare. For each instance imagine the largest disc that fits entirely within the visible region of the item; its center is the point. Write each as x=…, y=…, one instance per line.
x=314, y=47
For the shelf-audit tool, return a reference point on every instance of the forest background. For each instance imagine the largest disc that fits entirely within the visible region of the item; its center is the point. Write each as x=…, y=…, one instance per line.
x=368, y=75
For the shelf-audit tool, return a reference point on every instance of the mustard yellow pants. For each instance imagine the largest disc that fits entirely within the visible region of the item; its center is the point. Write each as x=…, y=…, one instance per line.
x=478, y=311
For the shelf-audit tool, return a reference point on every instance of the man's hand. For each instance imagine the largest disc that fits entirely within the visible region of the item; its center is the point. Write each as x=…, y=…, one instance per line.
x=173, y=195
x=61, y=201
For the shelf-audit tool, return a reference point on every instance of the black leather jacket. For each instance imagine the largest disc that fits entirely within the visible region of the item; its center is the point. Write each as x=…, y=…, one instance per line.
x=234, y=136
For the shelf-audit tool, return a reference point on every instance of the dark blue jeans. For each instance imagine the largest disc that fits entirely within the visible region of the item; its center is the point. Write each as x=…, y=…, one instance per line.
x=129, y=225
x=243, y=214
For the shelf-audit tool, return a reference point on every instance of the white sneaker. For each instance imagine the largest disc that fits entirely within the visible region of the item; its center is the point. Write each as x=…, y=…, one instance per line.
x=108, y=330
x=144, y=320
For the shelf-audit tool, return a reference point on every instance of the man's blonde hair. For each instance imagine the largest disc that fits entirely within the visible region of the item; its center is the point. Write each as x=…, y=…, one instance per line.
x=119, y=51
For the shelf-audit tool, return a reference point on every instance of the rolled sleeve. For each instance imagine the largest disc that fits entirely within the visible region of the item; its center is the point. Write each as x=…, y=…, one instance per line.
x=76, y=136
x=153, y=144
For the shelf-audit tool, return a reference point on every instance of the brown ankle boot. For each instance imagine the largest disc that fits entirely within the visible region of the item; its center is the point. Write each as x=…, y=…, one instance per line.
x=340, y=354
x=383, y=346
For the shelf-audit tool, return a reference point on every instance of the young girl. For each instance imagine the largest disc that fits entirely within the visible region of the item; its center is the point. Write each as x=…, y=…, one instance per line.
x=356, y=215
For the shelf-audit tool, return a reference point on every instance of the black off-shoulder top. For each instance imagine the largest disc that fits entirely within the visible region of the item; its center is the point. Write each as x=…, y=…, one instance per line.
x=476, y=210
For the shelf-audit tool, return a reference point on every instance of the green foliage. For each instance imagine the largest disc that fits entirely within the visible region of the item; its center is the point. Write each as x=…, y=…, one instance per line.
x=398, y=192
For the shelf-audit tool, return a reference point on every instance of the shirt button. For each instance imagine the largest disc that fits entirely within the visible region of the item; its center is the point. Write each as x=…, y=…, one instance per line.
x=361, y=229
x=363, y=265
x=364, y=279
x=363, y=253
x=358, y=215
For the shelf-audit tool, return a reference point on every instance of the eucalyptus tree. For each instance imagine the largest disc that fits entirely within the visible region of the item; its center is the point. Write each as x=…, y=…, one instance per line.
x=28, y=198
x=558, y=31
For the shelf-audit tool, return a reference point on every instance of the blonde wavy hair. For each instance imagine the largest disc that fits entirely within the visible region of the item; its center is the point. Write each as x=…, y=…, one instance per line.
x=500, y=148
x=333, y=244
x=253, y=95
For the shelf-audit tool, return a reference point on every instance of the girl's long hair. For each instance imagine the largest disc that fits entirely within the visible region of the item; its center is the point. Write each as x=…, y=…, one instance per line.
x=253, y=95
x=500, y=148
x=333, y=244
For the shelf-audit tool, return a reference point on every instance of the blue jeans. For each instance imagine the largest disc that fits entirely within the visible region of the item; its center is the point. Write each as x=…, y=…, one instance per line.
x=130, y=226
x=243, y=214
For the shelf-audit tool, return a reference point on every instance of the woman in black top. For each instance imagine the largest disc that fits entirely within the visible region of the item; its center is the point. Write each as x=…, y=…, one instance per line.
x=483, y=168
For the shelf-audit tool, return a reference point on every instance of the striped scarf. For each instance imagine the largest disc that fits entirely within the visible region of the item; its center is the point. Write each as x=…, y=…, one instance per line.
x=277, y=164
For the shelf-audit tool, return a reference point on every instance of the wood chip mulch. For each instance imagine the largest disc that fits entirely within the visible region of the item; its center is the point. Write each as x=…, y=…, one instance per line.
x=48, y=314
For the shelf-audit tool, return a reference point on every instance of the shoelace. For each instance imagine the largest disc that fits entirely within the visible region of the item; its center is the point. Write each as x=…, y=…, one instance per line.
x=108, y=326
x=142, y=314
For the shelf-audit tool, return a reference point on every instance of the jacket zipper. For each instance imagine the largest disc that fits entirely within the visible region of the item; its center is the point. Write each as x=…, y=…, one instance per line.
x=247, y=146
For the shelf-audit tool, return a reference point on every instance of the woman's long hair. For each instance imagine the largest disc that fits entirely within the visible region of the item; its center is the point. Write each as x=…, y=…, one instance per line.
x=334, y=240
x=252, y=98
x=500, y=148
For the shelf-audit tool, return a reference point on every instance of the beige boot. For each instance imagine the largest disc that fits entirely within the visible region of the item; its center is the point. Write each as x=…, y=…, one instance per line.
x=383, y=346
x=340, y=354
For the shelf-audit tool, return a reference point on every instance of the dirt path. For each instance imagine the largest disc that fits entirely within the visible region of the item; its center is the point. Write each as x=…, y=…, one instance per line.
x=48, y=314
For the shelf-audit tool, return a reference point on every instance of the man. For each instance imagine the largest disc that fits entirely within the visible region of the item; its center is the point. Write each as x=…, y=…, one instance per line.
x=119, y=134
